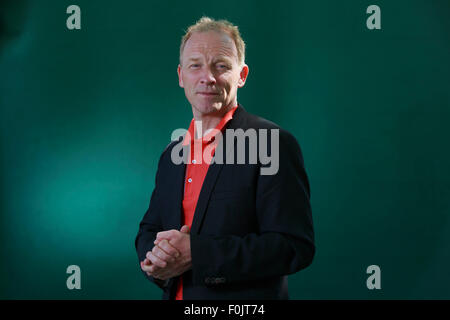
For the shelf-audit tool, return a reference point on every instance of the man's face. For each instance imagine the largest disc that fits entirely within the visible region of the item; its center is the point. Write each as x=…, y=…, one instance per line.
x=210, y=73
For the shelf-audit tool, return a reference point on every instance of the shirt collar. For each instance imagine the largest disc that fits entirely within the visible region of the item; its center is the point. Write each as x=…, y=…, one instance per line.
x=210, y=135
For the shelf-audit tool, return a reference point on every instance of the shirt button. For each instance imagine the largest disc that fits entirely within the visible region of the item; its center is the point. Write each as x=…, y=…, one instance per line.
x=190, y=180
x=194, y=161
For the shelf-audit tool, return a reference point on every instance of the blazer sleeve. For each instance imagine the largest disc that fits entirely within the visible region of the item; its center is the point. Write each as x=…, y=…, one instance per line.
x=149, y=227
x=285, y=241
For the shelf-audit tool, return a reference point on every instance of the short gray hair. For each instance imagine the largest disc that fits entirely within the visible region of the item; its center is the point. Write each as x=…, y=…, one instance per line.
x=207, y=24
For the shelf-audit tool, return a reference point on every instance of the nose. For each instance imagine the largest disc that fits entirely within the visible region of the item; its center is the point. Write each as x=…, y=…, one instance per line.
x=207, y=77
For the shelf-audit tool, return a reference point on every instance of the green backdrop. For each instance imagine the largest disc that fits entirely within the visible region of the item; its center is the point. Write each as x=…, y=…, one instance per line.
x=85, y=114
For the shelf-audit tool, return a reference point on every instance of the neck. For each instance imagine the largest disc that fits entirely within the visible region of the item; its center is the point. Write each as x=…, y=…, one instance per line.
x=211, y=120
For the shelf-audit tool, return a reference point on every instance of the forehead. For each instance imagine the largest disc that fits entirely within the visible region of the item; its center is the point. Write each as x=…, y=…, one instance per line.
x=210, y=43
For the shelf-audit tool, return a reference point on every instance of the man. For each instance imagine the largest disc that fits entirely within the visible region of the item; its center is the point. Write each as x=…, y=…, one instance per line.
x=223, y=229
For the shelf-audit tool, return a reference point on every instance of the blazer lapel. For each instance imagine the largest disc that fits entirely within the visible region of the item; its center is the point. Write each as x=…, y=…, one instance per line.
x=203, y=199
x=178, y=191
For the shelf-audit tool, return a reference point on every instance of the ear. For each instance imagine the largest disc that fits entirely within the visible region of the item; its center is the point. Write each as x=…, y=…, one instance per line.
x=180, y=76
x=243, y=76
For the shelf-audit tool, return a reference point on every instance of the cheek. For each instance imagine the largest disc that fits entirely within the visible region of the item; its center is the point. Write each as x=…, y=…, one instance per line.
x=189, y=82
x=225, y=82
x=230, y=85
x=233, y=79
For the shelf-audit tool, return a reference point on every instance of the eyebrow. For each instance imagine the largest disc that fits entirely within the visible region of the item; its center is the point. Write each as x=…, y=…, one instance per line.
x=194, y=59
x=219, y=59
x=223, y=58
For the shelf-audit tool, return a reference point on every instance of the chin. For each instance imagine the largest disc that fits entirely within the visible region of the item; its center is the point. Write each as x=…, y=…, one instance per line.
x=207, y=108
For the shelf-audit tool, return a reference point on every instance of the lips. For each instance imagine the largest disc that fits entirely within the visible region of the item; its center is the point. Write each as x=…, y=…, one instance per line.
x=207, y=93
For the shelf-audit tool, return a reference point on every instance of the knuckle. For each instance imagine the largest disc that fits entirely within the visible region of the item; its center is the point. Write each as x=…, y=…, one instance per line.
x=171, y=252
x=153, y=259
x=165, y=246
x=159, y=256
x=164, y=255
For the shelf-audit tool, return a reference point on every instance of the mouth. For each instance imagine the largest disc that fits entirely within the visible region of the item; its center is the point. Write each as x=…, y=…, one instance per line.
x=208, y=94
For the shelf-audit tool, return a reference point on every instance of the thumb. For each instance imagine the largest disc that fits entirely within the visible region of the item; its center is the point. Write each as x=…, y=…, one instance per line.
x=184, y=229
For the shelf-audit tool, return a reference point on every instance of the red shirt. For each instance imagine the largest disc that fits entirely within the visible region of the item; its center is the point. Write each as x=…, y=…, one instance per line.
x=196, y=171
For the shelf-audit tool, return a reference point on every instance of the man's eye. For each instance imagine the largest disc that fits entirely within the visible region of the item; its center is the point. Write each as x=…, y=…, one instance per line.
x=223, y=66
x=195, y=65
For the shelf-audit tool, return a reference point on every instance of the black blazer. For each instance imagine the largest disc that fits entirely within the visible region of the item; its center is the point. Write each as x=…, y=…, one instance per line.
x=249, y=230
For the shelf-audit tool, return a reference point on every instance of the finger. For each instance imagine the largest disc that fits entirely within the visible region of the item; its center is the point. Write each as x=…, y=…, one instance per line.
x=147, y=268
x=157, y=241
x=166, y=234
x=160, y=273
x=156, y=260
x=152, y=269
x=145, y=263
x=169, y=249
x=160, y=253
x=166, y=274
x=184, y=229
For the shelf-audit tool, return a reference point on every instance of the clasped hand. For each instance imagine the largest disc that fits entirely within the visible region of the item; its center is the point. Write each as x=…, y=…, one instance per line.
x=171, y=255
